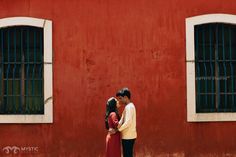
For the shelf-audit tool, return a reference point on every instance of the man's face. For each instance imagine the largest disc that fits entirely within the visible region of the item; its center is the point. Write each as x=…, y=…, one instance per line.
x=121, y=100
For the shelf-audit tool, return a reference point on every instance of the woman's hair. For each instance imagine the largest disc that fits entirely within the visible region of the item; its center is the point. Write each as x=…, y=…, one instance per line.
x=110, y=107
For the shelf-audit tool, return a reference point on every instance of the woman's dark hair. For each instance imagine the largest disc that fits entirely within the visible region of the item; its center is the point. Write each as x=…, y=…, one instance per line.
x=124, y=92
x=110, y=107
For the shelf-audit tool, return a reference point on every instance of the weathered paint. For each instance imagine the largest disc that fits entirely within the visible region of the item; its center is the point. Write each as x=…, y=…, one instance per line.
x=100, y=46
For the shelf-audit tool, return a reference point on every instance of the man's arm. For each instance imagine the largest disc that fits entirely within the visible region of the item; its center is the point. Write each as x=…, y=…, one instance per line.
x=121, y=120
x=128, y=118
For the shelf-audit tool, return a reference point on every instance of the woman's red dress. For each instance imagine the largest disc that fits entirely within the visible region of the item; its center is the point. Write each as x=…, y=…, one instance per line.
x=113, y=146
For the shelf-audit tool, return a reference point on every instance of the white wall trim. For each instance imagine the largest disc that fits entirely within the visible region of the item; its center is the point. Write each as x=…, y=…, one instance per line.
x=47, y=117
x=19, y=21
x=190, y=22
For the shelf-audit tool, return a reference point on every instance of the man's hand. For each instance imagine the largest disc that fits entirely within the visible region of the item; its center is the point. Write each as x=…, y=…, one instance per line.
x=112, y=131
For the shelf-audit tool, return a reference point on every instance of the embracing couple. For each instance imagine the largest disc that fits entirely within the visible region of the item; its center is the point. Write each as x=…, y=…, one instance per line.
x=120, y=128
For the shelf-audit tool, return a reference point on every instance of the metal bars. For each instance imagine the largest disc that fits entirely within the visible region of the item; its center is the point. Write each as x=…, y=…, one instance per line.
x=21, y=70
x=215, y=64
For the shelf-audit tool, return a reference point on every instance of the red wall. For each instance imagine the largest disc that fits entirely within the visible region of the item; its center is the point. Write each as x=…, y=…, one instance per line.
x=100, y=46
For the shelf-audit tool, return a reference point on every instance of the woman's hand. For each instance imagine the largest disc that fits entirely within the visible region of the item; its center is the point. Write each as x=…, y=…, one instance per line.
x=112, y=131
x=119, y=125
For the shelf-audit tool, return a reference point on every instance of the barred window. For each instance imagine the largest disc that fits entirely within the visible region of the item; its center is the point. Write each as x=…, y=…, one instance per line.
x=21, y=70
x=211, y=67
x=215, y=67
x=26, y=75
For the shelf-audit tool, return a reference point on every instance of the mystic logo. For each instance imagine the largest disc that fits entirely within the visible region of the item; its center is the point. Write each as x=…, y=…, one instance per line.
x=13, y=149
x=21, y=149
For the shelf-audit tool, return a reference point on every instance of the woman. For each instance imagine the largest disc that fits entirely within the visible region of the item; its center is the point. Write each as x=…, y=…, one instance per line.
x=113, y=147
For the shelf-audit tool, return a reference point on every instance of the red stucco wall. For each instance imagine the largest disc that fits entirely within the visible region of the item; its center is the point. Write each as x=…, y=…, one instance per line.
x=100, y=46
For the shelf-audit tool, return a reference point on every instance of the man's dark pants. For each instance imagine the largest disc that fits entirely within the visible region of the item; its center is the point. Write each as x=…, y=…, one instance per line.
x=128, y=146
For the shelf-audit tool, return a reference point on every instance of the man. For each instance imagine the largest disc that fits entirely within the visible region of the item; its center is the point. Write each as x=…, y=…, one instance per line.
x=127, y=123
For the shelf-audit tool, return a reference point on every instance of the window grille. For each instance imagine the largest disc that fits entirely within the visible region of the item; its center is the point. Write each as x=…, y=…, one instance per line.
x=215, y=64
x=21, y=70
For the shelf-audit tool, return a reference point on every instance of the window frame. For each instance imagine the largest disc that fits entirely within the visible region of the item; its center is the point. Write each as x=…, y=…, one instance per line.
x=190, y=22
x=47, y=117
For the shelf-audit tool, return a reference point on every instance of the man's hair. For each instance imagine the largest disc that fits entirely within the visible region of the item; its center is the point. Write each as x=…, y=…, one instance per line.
x=124, y=92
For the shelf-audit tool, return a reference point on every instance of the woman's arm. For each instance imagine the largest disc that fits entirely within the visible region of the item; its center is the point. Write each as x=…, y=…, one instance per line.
x=115, y=122
x=114, y=119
